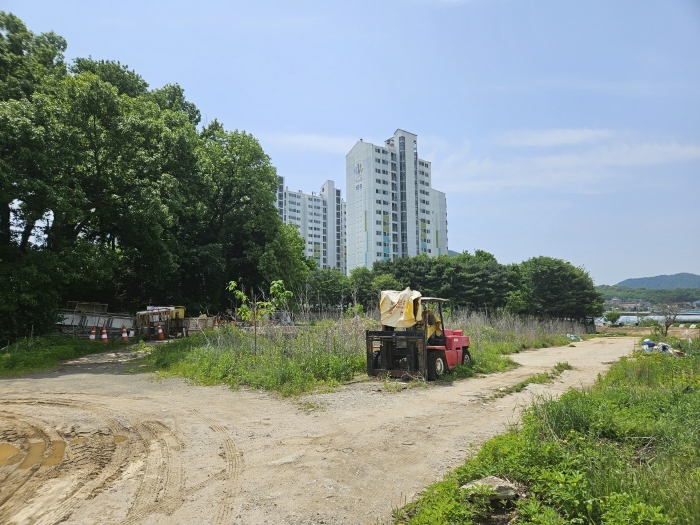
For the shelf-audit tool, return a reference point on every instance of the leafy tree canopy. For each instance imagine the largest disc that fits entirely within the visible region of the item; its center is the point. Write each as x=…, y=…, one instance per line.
x=109, y=192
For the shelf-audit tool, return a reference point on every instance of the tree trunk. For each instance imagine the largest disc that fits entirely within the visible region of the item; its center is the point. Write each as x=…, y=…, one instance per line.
x=26, y=234
x=5, y=231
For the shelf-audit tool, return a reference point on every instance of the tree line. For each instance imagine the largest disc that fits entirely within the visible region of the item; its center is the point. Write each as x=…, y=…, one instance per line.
x=111, y=191
x=541, y=286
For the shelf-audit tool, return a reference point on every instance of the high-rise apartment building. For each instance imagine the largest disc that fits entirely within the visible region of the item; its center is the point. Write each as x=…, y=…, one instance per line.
x=392, y=209
x=320, y=220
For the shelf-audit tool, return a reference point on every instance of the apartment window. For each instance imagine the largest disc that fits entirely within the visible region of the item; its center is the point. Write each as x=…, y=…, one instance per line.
x=378, y=201
x=377, y=150
x=377, y=160
x=378, y=181
x=377, y=191
x=385, y=162
x=380, y=243
x=379, y=212
x=384, y=172
x=379, y=223
x=377, y=170
x=384, y=152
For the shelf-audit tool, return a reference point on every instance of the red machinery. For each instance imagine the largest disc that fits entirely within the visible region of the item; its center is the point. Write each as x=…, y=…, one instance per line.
x=414, y=342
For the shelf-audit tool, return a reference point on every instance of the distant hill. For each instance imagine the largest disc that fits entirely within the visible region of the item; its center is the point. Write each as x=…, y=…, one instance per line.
x=674, y=295
x=664, y=282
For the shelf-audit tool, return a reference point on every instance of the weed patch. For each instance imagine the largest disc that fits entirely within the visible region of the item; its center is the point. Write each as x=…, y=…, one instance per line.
x=46, y=353
x=540, y=379
x=314, y=357
x=625, y=451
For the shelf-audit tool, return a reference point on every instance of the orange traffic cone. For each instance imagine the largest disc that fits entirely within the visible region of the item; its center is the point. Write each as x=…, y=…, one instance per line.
x=160, y=332
x=104, y=334
x=93, y=334
x=125, y=336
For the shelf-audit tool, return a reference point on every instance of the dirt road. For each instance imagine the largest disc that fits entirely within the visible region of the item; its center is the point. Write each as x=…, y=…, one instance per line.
x=93, y=443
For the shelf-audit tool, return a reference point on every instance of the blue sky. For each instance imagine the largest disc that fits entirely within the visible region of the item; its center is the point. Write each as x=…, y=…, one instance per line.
x=569, y=129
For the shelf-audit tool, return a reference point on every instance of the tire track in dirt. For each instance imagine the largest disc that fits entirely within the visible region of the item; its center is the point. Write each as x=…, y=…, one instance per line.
x=234, y=466
x=163, y=473
x=14, y=483
x=162, y=484
x=89, y=483
x=161, y=487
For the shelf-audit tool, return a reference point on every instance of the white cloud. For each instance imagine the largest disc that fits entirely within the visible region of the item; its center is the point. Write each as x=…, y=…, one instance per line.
x=555, y=137
x=590, y=171
x=628, y=88
x=309, y=142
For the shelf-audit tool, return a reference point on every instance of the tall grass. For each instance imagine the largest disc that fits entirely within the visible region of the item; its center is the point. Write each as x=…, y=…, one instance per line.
x=297, y=359
x=493, y=337
x=625, y=451
x=290, y=360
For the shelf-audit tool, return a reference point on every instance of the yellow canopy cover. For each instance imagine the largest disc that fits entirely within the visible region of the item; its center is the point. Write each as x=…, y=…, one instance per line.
x=400, y=309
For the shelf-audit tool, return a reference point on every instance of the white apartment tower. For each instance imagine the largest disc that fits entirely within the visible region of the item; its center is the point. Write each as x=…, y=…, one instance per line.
x=320, y=220
x=392, y=209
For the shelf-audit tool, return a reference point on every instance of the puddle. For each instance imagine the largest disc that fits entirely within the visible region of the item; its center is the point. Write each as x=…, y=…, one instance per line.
x=119, y=439
x=56, y=454
x=9, y=454
x=34, y=455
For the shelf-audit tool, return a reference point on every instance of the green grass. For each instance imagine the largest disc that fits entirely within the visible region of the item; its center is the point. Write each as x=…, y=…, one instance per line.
x=326, y=354
x=46, y=353
x=490, y=355
x=626, y=451
x=539, y=379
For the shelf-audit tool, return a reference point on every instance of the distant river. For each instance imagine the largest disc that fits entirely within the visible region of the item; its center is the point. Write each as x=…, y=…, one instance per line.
x=682, y=318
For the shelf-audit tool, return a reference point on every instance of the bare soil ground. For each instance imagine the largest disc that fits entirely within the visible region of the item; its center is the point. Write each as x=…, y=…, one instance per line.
x=94, y=443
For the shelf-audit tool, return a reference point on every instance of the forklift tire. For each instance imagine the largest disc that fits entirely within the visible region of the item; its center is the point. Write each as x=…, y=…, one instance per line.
x=436, y=365
x=466, y=357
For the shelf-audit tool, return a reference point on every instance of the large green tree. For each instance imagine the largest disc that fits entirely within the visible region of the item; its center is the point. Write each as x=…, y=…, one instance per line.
x=108, y=192
x=240, y=231
x=557, y=289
